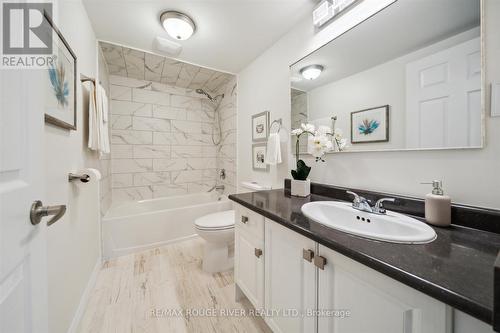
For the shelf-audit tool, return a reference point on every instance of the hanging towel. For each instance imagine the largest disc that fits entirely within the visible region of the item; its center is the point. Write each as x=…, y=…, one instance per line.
x=98, y=120
x=273, y=154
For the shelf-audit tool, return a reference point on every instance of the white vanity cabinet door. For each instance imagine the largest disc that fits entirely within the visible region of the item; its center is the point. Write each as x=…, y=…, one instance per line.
x=377, y=303
x=249, y=266
x=290, y=280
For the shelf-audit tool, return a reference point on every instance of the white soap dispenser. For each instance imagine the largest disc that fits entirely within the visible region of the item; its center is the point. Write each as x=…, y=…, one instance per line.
x=437, y=206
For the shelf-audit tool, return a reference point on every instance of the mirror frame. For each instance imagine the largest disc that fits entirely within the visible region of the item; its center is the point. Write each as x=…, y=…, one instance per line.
x=483, y=90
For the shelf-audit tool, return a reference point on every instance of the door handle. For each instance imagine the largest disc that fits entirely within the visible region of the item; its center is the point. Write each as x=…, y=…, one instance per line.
x=38, y=210
x=244, y=219
x=258, y=252
x=320, y=262
x=307, y=255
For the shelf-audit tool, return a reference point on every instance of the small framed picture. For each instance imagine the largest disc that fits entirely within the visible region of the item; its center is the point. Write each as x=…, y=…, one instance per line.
x=260, y=126
x=370, y=125
x=60, y=109
x=259, y=157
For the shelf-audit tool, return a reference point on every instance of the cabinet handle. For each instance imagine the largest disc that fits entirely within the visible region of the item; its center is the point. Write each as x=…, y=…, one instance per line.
x=244, y=219
x=307, y=255
x=320, y=262
x=258, y=252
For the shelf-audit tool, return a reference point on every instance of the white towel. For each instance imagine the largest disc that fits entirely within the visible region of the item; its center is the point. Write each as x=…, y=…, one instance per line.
x=98, y=121
x=273, y=154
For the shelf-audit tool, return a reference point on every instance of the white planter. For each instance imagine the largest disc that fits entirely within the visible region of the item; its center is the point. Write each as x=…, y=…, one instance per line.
x=301, y=188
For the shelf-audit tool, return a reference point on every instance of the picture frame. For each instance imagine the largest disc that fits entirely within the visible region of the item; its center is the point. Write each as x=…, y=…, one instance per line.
x=259, y=151
x=370, y=125
x=260, y=126
x=61, y=106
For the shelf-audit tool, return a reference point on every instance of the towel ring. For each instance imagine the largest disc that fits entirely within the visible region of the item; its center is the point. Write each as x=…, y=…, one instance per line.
x=277, y=121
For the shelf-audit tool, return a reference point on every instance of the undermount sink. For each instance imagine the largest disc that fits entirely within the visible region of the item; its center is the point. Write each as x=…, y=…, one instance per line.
x=392, y=227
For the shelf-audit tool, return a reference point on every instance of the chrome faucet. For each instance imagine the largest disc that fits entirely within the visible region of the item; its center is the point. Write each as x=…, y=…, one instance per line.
x=360, y=203
x=363, y=204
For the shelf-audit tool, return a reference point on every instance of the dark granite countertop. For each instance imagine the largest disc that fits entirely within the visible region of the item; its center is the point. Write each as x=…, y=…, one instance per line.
x=457, y=268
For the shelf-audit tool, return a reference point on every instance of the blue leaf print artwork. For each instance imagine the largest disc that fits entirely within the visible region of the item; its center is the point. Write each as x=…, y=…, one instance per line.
x=368, y=126
x=60, y=87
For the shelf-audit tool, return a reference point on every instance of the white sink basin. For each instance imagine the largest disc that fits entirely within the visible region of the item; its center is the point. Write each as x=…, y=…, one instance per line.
x=392, y=227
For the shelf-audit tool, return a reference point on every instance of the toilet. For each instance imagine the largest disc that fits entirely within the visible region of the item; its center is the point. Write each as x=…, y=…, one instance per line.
x=217, y=230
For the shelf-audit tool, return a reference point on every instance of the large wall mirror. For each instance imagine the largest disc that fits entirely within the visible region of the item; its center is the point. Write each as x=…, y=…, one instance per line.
x=408, y=78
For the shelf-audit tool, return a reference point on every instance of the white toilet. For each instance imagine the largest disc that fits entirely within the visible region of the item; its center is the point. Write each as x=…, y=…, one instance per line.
x=217, y=230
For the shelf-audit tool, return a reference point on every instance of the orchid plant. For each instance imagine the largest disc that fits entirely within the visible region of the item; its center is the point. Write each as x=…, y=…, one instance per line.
x=322, y=140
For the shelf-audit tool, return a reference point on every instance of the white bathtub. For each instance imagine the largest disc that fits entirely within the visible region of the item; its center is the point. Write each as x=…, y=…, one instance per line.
x=139, y=225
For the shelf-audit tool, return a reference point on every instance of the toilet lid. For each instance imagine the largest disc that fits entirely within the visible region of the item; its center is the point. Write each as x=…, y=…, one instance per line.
x=219, y=220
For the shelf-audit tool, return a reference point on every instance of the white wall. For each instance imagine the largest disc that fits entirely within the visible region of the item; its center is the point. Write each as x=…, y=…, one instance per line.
x=469, y=175
x=73, y=242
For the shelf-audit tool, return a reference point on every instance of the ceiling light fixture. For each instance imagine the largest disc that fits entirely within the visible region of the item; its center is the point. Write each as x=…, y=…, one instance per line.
x=311, y=72
x=178, y=25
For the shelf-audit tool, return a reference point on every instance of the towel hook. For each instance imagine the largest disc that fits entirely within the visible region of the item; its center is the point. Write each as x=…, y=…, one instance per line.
x=277, y=121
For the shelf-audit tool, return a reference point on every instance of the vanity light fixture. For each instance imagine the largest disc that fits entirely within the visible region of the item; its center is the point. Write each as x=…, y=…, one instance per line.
x=178, y=25
x=311, y=72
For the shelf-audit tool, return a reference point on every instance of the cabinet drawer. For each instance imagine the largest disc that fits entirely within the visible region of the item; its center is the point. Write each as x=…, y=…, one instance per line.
x=250, y=221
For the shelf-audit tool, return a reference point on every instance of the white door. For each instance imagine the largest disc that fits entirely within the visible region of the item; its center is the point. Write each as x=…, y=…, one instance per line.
x=353, y=298
x=443, y=96
x=290, y=281
x=23, y=278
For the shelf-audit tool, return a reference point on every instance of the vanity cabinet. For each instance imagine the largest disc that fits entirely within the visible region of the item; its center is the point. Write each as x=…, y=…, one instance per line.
x=376, y=303
x=249, y=255
x=305, y=287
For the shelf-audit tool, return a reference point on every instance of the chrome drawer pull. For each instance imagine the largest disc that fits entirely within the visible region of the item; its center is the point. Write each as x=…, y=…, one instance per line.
x=258, y=252
x=320, y=262
x=307, y=255
x=244, y=219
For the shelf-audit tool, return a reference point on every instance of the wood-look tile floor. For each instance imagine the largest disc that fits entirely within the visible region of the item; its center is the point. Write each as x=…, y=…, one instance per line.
x=142, y=292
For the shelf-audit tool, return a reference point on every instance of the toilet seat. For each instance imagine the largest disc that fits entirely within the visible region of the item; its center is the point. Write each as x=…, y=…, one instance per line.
x=216, y=221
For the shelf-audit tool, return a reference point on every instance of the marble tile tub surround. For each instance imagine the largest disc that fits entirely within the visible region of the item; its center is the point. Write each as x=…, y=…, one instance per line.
x=456, y=268
x=161, y=140
x=136, y=64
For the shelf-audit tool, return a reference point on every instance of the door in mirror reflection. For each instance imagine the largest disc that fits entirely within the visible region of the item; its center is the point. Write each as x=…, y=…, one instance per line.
x=421, y=58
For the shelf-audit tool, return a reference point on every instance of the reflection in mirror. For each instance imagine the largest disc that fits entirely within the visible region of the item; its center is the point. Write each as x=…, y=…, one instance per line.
x=406, y=78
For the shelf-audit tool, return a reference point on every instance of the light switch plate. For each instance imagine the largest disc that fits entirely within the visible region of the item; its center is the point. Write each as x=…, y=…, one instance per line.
x=495, y=99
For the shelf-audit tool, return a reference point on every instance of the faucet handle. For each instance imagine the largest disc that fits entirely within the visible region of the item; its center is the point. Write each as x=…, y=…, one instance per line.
x=355, y=195
x=379, y=205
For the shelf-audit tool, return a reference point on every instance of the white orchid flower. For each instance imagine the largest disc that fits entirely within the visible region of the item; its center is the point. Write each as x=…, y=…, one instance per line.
x=320, y=144
x=297, y=131
x=308, y=127
x=324, y=130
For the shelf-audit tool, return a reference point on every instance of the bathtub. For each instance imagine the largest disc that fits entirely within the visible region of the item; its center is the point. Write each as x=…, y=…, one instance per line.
x=140, y=225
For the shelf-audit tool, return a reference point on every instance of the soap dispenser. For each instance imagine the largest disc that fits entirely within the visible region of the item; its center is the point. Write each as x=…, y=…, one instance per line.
x=437, y=206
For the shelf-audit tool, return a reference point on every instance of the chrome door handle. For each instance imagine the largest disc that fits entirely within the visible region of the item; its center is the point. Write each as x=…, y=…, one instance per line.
x=38, y=210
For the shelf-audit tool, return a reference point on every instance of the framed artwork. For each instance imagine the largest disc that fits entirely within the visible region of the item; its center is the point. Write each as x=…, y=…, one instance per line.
x=370, y=125
x=260, y=126
x=60, y=109
x=259, y=157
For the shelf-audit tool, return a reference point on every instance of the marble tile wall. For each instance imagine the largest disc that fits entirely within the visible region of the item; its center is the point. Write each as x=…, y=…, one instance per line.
x=161, y=140
x=226, y=150
x=141, y=65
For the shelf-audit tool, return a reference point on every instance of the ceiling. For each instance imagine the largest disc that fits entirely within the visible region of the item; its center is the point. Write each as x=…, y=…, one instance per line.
x=230, y=33
x=124, y=61
x=403, y=27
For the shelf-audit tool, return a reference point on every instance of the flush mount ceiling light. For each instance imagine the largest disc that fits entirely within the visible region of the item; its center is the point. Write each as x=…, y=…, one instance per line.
x=178, y=25
x=311, y=72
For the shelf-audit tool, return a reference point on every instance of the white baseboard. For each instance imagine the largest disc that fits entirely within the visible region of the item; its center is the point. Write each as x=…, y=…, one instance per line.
x=85, y=298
